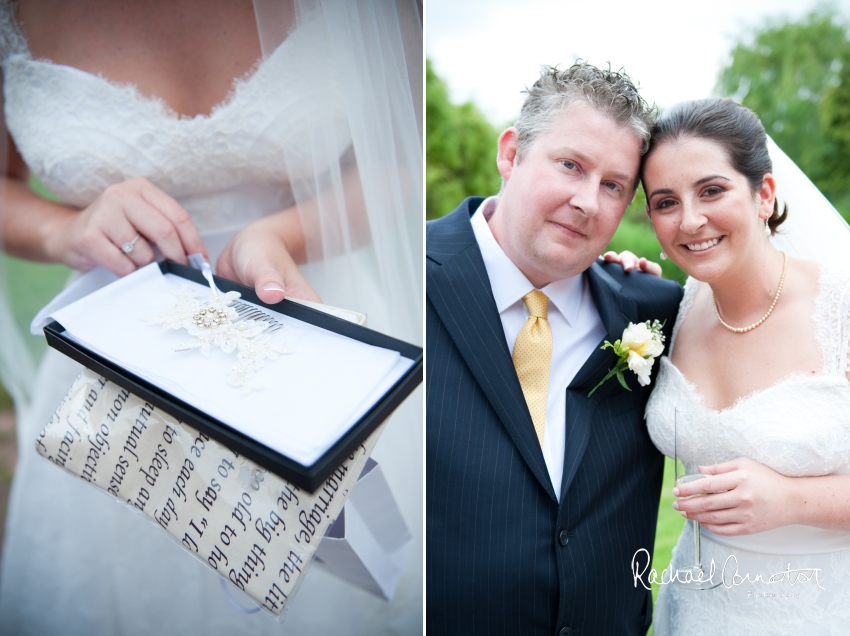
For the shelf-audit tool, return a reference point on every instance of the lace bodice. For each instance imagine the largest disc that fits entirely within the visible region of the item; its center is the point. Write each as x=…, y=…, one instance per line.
x=800, y=426
x=81, y=132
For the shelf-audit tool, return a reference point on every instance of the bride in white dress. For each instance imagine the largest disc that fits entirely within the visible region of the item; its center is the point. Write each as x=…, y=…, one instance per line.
x=760, y=348
x=289, y=132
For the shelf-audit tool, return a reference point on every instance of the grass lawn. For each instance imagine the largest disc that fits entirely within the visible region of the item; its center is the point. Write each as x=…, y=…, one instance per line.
x=5, y=400
x=29, y=286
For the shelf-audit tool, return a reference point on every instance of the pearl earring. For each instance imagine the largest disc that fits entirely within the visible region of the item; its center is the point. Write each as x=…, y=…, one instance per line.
x=766, y=228
x=663, y=255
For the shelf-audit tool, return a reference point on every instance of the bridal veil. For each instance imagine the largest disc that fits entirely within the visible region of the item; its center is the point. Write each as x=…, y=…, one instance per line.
x=814, y=230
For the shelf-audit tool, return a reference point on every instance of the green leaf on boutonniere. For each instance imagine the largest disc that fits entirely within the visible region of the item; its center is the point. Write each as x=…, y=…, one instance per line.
x=636, y=350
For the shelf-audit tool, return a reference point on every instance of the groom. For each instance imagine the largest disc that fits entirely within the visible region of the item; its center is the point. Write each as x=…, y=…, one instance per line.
x=538, y=496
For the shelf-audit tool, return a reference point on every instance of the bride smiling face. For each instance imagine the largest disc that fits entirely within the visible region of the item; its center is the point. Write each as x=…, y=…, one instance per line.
x=710, y=192
x=705, y=213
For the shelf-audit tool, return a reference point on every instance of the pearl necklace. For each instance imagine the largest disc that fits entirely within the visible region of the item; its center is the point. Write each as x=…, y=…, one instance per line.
x=769, y=311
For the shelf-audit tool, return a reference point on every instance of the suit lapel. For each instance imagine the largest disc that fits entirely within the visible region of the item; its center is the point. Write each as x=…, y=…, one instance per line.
x=461, y=294
x=615, y=311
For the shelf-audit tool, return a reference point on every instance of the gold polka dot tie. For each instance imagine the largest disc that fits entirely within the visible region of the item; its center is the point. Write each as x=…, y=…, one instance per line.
x=532, y=356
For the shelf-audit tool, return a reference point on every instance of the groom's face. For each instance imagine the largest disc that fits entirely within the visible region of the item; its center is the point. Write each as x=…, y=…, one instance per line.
x=563, y=200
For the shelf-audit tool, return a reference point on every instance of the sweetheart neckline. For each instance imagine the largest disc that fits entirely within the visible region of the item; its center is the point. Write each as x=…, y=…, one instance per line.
x=684, y=308
x=794, y=375
x=157, y=104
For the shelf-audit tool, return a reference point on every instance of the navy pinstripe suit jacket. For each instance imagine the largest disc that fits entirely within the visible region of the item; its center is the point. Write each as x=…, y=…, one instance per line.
x=503, y=556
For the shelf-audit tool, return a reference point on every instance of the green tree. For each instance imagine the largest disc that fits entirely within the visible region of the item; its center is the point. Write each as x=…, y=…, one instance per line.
x=795, y=76
x=460, y=146
x=835, y=122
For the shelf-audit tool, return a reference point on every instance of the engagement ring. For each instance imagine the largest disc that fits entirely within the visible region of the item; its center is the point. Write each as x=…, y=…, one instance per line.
x=129, y=245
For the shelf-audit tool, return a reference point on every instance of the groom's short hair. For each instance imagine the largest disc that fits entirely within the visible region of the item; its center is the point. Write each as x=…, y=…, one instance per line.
x=610, y=92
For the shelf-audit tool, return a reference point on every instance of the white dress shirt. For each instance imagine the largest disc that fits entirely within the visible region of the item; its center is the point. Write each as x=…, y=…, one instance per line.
x=576, y=329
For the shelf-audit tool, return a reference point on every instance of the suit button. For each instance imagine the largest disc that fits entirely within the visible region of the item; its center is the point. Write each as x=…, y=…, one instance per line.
x=565, y=631
x=564, y=539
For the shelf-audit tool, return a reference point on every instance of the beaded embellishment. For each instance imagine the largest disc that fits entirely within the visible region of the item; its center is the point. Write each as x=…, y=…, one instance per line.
x=225, y=323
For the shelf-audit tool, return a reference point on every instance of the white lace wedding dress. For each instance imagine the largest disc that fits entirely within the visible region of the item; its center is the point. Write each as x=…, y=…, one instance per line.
x=799, y=427
x=75, y=561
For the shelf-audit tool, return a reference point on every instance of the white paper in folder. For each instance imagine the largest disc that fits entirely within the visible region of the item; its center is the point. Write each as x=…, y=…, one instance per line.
x=311, y=397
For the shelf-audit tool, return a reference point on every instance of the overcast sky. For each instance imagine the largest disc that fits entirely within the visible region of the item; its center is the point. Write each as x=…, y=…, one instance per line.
x=489, y=50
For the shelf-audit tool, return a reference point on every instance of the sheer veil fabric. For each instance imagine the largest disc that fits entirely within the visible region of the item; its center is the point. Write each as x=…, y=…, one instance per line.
x=364, y=234
x=814, y=230
x=361, y=212
x=355, y=175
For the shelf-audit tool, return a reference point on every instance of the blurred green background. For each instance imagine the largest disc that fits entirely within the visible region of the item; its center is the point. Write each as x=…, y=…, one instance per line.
x=30, y=286
x=794, y=74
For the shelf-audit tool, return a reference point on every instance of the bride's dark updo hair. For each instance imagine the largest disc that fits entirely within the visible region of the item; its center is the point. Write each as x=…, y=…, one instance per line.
x=733, y=127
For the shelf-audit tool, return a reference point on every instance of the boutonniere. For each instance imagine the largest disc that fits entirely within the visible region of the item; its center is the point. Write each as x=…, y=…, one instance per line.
x=637, y=350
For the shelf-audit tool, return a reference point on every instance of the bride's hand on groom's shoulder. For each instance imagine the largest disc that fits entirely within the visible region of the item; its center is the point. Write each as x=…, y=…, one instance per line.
x=739, y=497
x=631, y=261
x=95, y=235
x=259, y=256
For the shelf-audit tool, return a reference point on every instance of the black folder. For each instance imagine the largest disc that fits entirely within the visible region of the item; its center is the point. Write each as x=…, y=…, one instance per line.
x=310, y=477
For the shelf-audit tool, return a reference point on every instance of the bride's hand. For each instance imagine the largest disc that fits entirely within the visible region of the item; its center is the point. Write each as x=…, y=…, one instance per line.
x=95, y=235
x=743, y=497
x=631, y=261
x=257, y=256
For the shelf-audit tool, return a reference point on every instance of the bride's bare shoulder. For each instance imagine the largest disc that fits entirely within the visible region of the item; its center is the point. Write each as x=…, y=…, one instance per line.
x=802, y=284
x=806, y=273
x=810, y=269
x=813, y=273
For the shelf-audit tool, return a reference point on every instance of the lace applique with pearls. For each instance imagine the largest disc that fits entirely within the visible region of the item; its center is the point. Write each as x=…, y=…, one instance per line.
x=224, y=323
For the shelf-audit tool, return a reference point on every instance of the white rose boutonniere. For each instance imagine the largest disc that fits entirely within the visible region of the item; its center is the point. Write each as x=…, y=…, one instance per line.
x=637, y=349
